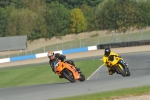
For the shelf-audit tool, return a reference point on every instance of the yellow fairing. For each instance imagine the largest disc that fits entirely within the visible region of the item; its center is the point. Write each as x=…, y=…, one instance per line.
x=114, y=61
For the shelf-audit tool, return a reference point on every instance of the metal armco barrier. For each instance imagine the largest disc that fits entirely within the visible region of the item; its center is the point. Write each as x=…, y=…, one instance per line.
x=124, y=44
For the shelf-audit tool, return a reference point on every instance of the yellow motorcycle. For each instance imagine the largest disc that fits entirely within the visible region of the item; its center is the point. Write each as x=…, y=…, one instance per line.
x=117, y=64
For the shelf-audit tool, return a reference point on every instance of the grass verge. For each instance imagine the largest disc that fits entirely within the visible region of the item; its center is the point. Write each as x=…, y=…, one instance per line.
x=111, y=95
x=41, y=74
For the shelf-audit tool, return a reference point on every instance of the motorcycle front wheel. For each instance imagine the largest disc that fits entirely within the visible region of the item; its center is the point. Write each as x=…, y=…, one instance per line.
x=68, y=75
x=128, y=72
x=121, y=71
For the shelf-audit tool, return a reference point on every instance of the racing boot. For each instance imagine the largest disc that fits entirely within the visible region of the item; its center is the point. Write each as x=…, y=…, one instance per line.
x=113, y=70
x=78, y=69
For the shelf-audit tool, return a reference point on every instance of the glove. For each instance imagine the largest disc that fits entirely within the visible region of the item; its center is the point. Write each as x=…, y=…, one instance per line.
x=118, y=56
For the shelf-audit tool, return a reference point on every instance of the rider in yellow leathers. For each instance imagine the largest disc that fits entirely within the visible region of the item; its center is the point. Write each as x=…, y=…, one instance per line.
x=107, y=53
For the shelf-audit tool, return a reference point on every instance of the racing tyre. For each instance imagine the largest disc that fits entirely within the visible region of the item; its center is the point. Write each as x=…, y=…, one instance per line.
x=68, y=75
x=121, y=71
x=128, y=72
x=82, y=78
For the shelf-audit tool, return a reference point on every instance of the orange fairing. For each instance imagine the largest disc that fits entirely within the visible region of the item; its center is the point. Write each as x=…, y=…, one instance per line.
x=60, y=66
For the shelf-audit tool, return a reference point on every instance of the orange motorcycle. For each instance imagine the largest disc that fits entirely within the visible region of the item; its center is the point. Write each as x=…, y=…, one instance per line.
x=67, y=71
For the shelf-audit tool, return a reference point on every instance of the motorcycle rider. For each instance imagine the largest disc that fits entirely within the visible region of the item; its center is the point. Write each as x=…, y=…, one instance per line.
x=53, y=56
x=107, y=53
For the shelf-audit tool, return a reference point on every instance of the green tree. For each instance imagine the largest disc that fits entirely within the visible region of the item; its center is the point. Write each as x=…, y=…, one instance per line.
x=144, y=11
x=93, y=3
x=78, y=21
x=118, y=15
x=21, y=22
x=58, y=20
x=25, y=22
x=76, y=3
x=39, y=31
x=89, y=14
x=5, y=3
x=34, y=5
x=3, y=21
x=105, y=15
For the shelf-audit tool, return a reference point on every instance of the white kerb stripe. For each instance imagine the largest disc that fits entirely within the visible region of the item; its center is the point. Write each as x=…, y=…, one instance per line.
x=58, y=51
x=45, y=54
x=4, y=60
x=92, y=48
x=41, y=55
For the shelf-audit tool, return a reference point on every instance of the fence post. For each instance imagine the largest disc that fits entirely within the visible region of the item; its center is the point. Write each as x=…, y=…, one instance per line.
x=62, y=45
x=141, y=37
x=44, y=48
x=8, y=52
x=26, y=51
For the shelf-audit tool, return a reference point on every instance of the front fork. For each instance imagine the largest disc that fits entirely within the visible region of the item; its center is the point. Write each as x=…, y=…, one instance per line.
x=123, y=65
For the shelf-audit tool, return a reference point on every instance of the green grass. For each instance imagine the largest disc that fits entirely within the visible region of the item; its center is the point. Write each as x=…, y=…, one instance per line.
x=41, y=74
x=111, y=94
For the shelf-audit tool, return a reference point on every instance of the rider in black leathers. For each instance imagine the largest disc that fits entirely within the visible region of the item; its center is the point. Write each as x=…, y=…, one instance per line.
x=53, y=56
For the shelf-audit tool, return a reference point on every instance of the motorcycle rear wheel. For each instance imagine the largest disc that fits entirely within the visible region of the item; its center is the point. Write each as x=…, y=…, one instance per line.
x=82, y=78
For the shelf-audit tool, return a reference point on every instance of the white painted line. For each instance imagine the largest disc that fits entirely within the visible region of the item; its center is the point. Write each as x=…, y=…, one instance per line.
x=94, y=72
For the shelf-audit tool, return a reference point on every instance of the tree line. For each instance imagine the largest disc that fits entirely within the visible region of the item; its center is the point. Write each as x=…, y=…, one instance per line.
x=48, y=18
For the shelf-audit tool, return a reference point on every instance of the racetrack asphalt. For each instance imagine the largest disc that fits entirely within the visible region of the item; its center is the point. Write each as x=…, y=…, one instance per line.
x=139, y=65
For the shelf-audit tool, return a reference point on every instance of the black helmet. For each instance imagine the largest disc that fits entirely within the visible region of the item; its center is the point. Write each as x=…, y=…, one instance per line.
x=107, y=51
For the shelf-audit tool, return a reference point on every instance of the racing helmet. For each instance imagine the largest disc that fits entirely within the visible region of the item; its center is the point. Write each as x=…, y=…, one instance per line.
x=107, y=51
x=50, y=53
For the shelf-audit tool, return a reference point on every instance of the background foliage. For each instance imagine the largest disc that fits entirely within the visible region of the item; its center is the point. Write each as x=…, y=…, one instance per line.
x=48, y=18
